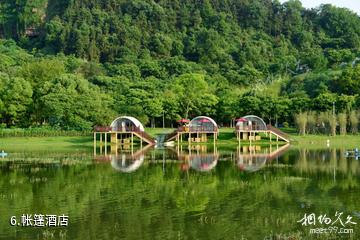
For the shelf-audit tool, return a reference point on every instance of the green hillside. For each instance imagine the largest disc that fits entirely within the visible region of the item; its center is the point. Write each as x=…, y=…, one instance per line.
x=72, y=64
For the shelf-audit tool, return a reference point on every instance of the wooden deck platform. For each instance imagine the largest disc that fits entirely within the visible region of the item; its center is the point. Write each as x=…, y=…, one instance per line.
x=120, y=137
x=192, y=136
x=270, y=131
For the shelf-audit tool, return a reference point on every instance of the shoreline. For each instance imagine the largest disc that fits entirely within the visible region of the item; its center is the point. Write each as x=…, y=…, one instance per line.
x=226, y=139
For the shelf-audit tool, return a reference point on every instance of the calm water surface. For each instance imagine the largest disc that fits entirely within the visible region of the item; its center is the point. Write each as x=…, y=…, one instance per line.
x=201, y=193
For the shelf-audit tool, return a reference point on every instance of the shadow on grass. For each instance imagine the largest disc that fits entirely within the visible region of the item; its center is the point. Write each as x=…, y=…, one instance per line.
x=226, y=136
x=292, y=131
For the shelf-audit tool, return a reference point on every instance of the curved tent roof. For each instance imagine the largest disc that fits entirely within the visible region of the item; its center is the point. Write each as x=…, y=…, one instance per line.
x=136, y=122
x=254, y=118
x=203, y=117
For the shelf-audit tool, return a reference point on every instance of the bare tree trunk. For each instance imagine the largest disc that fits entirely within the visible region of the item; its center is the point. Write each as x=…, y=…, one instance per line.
x=187, y=111
x=163, y=119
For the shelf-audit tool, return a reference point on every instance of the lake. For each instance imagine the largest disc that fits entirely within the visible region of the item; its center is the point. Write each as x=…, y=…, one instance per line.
x=206, y=192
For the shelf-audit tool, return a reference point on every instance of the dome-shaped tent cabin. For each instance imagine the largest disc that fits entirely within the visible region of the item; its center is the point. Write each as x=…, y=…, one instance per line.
x=126, y=124
x=123, y=130
x=197, y=130
x=251, y=127
x=203, y=124
x=200, y=127
x=252, y=123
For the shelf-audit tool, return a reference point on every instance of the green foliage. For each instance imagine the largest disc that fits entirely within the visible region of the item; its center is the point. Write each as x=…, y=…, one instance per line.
x=16, y=96
x=88, y=61
x=72, y=102
x=349, y=81
x=171, y=202
x=194, y=95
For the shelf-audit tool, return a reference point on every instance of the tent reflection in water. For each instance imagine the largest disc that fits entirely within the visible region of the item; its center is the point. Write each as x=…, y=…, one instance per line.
x=203, y=162
x=253, y=158
x=251, y=163
x=128, y=161
x=125, y=163
x=198, y=157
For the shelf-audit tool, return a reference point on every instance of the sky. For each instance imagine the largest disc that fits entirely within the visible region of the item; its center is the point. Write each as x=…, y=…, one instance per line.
x=351, y=4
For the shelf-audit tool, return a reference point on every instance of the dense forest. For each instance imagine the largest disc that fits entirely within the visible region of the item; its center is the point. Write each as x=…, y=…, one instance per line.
x=73, y=64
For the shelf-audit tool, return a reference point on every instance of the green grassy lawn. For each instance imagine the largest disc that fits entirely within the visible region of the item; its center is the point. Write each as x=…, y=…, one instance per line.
x=320, y=141
x=46, y=143
x=226, y=138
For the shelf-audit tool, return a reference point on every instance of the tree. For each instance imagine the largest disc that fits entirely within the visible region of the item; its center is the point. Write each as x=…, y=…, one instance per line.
x=249, y=104
x=15, y=99
x=228, y=105
x=194, y=94
x=349, y=81
x=179, y=58
x=324, y=102
x=71, y=102
x=340, y=24
x=171, y=105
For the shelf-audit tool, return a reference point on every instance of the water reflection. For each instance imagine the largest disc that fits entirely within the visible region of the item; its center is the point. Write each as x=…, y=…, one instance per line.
x=201, y=158
x=253, y=158
x=125, y=158
x=223, y=203
x=326, y=160
x=198, y=157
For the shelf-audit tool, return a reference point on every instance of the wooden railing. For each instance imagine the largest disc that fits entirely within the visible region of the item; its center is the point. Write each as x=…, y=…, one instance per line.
x=250, y=128
x=102, y=128
x=197, y=129
x=109, y=129
x=145, y=136
x=278, y=132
